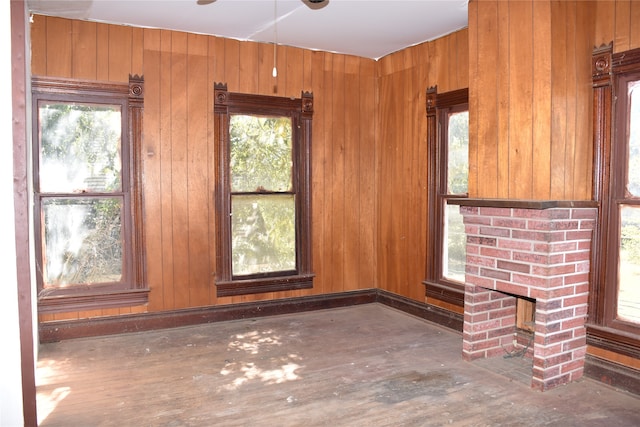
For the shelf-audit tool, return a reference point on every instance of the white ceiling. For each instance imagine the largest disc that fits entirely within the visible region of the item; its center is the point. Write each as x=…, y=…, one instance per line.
x=367, y=28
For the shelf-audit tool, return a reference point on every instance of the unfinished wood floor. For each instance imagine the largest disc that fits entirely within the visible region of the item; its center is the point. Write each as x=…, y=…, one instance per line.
x=365, y=365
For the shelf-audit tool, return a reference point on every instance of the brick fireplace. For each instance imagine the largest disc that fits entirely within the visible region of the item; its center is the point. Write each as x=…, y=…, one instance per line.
x=537, y=250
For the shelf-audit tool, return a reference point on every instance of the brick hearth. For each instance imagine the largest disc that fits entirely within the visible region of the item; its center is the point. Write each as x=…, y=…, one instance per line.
x=540, y=253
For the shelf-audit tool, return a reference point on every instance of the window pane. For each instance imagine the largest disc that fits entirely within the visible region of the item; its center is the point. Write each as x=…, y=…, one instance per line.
x=80, y=148
x=82, y=240
x=454, y=252
x=458, y=153
x=261, y=153
x=633, y=185
x=263, y=234
x=629, y=267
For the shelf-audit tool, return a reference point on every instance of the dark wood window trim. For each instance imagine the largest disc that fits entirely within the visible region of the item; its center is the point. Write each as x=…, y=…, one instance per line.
x=438, y=105
x=608, y=71
x=133, y=289
x=301, y=112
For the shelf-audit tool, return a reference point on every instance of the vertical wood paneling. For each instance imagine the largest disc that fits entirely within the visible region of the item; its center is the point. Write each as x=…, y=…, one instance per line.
x=84, y=42
x=504, y=105
x=541, y=85
x=120, y=47
x=179, y=169
x=39, y=39
x=151, y=157
x=541, y=99
x=622, y=26
x=634, y=36
x=368, y=171
x=197, y=181
x=352, y=149
x=583, y=164
x=337, y=176
x=102, y=52
x=318, y=205
x=166, y=173
x=559, y=98
x=474, y=98
x=137, y=50
x=520, y=97
x=59, y=47
x=487, y=109
x=248, y=67
x=605, y=24
x=574, y=67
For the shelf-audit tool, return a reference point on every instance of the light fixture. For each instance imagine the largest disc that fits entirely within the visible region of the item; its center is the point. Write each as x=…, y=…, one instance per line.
x=274, y=73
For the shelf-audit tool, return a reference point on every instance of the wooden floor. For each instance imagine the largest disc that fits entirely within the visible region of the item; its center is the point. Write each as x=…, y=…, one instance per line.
x=366, y=365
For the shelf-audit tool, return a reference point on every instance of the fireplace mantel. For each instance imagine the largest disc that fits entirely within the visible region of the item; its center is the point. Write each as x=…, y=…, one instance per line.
x=538, y=250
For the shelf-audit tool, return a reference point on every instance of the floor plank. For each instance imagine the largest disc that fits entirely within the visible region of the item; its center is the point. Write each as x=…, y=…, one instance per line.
x=366, y=365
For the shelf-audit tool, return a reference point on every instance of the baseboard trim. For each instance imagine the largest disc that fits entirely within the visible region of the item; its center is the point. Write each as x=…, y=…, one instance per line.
x=616, y=375
x=83, y=328
x=432, y=313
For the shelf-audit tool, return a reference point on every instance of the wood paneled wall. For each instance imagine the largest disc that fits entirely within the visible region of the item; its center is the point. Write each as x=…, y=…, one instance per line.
x=402, y=162
x=530, y=95
x=179, y=71
x=618, y=22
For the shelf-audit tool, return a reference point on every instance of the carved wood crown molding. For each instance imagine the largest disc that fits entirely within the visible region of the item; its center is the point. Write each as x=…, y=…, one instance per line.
x=222, y=99
x=601, y=64
x=136, y=86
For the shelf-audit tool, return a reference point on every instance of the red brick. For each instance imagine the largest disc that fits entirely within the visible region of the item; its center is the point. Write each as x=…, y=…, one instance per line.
x=479, y=281
x=495, y=253
x=495, y=274
x=587, y=224
x=494, y=231
x=489, y=211
x=512, y=288
x=575, y=300
x=584, y=213
x=574, y=279
x=579, y=235
x=521, y=245
x=563, y=247
x=572, y=365
x=470, y=229
x=577, y=322
x=540, y=282
x=513, y=266
x=481, y=260
x=577, y=256
x=482, y=241
x=469, y=210
x=573, y=344
x=551, y=271
x=476, y=219
x=504, y=331
x=560, y=337
x=509, y=222
x=532, y=258
x=542, y=352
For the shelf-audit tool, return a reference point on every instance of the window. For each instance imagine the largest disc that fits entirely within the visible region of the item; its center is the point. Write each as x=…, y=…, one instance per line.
x=262, y=192
x=615, y=293
x=89, y=251
x=448, y=148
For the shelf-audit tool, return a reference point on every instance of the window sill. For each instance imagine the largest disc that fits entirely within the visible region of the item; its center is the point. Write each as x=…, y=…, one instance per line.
x=227, y=288
x=92, y=300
